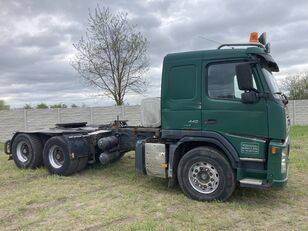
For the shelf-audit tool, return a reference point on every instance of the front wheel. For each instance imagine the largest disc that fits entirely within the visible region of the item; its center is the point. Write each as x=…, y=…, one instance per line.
x=204, y=174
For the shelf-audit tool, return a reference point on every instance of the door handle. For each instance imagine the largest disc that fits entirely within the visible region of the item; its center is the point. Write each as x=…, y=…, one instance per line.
x=211, y=121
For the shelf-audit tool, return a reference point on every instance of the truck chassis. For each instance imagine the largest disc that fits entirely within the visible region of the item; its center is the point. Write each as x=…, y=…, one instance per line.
x=206, y=171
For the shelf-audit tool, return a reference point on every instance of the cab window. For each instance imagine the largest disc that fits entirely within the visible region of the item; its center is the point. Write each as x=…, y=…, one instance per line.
x=222, y=82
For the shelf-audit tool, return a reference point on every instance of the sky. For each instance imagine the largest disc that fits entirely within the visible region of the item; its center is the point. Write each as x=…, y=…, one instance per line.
x=36, y=38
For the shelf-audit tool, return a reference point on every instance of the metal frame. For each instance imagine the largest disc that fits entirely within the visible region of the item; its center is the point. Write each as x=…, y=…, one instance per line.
x=240, y=45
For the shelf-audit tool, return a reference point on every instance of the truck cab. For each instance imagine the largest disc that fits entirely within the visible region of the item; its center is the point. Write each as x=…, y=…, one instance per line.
x=228, y=99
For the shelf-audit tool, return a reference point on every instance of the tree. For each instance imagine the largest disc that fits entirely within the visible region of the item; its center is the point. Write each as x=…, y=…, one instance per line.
x=28, y=106
x=112, y=56
x=41, y=106
x=74, y=105
x=3, y=106
x=59, y=105
x=297, y=85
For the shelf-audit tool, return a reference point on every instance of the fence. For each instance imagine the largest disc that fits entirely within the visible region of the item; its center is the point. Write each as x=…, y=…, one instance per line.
x=298, y=112
x=21, y=119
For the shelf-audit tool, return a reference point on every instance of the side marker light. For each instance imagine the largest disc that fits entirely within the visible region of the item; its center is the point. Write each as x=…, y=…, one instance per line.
x=274, y=150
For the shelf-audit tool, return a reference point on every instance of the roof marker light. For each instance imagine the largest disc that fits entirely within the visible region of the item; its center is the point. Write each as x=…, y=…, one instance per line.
x=254, y=37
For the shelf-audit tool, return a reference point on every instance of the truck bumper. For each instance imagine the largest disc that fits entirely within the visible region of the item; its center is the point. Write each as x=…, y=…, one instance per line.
x=280, y=183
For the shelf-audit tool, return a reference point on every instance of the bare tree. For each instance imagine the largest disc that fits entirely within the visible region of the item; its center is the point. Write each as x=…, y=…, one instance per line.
x=297, y=85
x=112, y=56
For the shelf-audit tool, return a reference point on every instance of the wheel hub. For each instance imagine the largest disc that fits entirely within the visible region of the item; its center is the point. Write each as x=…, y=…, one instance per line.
x=203, y=177
x=56, y=156
x=23, y=152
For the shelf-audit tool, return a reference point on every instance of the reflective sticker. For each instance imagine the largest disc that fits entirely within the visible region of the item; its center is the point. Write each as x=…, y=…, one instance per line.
x=193, y=121
x=249, y=148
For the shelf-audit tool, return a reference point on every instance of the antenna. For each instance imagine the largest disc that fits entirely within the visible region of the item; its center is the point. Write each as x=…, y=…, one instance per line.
x=210, y=40
x=213, y=41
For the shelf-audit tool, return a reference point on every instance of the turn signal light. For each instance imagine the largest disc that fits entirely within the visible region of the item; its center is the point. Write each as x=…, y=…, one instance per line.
x=274, y=150
x=164, y=165
x=254, y=37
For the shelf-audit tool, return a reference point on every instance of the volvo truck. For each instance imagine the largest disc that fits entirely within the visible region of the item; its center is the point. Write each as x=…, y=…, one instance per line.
x=221, y=121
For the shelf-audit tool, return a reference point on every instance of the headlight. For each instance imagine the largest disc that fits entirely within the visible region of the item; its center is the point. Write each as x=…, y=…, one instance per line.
x=284, y=159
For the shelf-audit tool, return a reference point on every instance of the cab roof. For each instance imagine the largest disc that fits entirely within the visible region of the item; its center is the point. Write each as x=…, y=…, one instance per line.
x=215, y=54
x=223, y=54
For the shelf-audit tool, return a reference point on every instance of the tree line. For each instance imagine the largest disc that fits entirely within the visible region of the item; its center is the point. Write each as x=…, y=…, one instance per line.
x=57, y=105
x=4, y=106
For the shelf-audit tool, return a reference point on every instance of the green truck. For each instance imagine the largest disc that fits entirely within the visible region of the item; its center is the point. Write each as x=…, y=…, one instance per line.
x=221, y=121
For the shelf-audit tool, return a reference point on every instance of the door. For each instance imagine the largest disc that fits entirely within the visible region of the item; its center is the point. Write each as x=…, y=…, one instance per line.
x=181, y=95
x=222, y=109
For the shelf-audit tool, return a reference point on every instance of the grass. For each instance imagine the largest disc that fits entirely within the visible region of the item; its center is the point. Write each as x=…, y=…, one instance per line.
x=116, y=198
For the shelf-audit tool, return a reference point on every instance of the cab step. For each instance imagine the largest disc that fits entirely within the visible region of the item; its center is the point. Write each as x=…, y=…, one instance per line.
x=254, y=183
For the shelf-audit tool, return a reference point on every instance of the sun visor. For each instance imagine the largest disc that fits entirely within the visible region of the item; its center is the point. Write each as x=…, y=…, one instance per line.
x=270, y=62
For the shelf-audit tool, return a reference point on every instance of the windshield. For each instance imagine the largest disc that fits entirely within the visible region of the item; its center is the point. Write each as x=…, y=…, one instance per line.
x=271, y=81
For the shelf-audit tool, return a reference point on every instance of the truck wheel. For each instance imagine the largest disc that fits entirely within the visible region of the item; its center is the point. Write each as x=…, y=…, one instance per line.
x=57, y=157
x=27, y=151
x=204, y=174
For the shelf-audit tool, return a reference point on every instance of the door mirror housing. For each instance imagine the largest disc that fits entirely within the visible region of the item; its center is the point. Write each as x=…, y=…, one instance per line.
x=244, y=77
x=249, y=97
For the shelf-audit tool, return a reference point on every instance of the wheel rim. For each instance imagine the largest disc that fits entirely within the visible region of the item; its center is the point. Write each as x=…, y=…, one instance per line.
x=56, y=156
x=203, y=177
x=23, y=152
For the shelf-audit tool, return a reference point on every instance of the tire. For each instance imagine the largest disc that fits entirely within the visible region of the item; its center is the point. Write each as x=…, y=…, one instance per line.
x=57, y=158
x=27, y=151
x=204, y=174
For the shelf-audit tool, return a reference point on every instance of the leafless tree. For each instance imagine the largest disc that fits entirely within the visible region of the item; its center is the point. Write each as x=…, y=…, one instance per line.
x=112, y=56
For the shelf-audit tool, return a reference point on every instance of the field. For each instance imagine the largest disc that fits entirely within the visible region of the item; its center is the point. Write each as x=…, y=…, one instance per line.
x=116, y=198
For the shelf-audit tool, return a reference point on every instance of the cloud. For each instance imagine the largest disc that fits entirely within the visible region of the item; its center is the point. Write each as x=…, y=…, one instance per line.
x=37, y=36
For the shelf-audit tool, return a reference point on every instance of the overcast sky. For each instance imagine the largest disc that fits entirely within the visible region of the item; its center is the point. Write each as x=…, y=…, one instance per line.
x=36, y=38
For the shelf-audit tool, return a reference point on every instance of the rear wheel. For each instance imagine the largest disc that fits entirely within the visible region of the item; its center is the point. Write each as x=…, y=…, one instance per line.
x=27, y=151
x=204, y=174
x=57, y=158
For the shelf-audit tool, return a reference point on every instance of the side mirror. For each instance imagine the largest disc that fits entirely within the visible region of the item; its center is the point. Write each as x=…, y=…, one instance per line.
x=244, y=77
x=249, y=97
